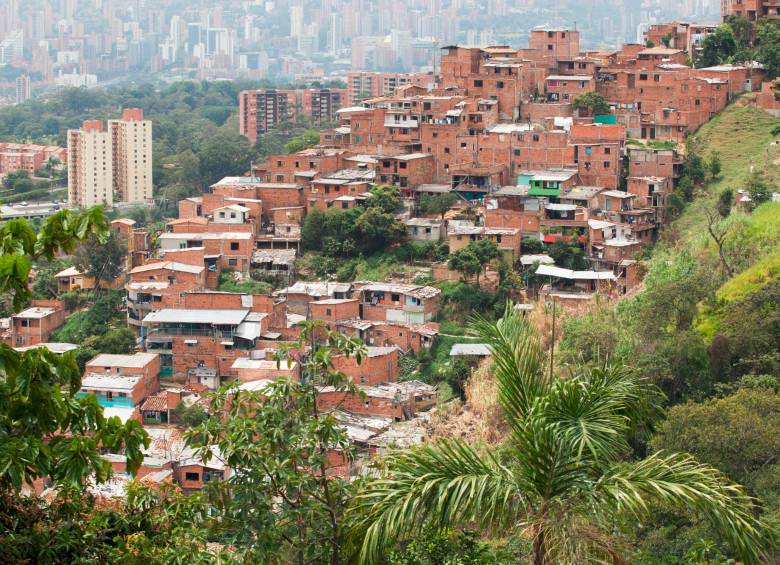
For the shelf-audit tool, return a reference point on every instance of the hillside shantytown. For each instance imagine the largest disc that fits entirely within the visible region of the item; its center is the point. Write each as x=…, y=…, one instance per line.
x=502, y=151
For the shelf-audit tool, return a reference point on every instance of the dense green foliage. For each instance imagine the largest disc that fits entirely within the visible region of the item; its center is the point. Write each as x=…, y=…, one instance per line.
x=365, y=229
x=437, y=204
x=705, y=334
x=103, y=261
x=739, y=40
x=104, y=311
x=592, y=103
x=563, y=476
x=228, y=283
x=45, y=429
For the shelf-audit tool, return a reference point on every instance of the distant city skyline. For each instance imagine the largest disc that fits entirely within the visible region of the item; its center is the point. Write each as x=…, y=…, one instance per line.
x=88, y=42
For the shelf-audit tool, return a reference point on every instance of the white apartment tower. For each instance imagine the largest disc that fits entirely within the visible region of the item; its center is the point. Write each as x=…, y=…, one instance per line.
x=131, y=139
x=90, y=166
x=111, y=165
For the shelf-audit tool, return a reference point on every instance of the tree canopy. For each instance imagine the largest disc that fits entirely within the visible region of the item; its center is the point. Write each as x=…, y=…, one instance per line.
x=46, y=429
x=563, y=477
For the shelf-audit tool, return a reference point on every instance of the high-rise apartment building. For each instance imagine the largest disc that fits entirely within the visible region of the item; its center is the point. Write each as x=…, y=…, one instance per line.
x=131, y=139
x=90, y=165
x=23, y=90
x=261, y=110
x=110, y=165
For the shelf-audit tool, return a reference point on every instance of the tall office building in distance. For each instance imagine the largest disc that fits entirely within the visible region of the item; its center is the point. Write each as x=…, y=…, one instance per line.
x=131, y=139
x=90, y=166
x=23, y=90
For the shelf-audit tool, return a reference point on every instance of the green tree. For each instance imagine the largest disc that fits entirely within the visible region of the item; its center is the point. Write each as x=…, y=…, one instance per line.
x=18, y=182
x=768, y=52
x=432, y=547
x=568, y=255
x=190, y=415
x=385, y=197
x=750, y=332
x=104, y=261
x=757, y=189
x=377, y=230
x=282, y=502
x=438, y=203
x=667, y=39
x=222, y=155
x=104, y=312
x=307, y=139
x=45, y=285
x=562, y=478
x=738, y=434
x=593, y=103
x=742, y=29
x=312, y=231
x=717, y=47
x=713, y=165
x=116, y=340
x=45, y=429
x=466, y=262
x=458, y=373
x=486, y=251
x=725, y=202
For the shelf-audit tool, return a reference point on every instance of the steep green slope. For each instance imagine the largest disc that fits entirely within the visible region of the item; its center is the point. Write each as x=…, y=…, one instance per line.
x=742, y=137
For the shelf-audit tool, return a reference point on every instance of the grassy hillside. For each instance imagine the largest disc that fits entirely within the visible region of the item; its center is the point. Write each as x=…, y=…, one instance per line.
x=742, y=137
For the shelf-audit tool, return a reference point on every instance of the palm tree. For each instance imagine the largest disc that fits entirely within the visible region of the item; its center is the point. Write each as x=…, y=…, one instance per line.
x=564, y=479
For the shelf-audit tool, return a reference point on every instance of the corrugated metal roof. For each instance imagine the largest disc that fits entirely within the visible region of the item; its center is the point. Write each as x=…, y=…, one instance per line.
x=189, y=316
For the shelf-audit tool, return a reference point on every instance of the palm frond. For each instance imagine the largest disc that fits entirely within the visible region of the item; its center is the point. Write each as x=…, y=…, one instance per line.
x=595, y=410
x=680, y=480
x=548, y=465
x=518, y=359
x=443, y=484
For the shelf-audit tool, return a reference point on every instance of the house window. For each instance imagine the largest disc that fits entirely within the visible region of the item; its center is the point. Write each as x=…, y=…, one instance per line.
x=517, y=152
x=234, y=246
x=607, y=151
x=402, y=165
x=279, y=178
x=192, y=476
x=221, y=214
x=500, y=84
x=606, y=164
x=549, y=47
x=232, y=262
x=478, y=84
x=446, y=149
x=642, y=76
x=395, y=297
x=328, y=312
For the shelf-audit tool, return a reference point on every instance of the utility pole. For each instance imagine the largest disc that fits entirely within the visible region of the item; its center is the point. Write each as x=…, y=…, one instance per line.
x=552, y=345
